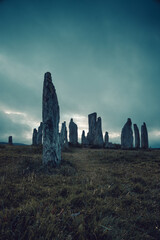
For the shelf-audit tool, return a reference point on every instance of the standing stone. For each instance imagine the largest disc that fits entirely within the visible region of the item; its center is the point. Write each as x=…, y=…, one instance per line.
x=92, y=118
x=137, y=137
x=63, y=136
x=73, y=132
x=144, y=137
x=84, y=139
x=106, y=140
x=10, y=140
x=127, y=135
x=39, y=134
x=34, y=137
x=50, y=115
x=98, y=139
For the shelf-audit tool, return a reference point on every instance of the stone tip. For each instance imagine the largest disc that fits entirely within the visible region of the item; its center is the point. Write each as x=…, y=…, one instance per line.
x=71, y=119
x=47, y=75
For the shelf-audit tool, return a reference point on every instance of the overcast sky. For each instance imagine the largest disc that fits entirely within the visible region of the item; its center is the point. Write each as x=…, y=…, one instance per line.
x=104, y=57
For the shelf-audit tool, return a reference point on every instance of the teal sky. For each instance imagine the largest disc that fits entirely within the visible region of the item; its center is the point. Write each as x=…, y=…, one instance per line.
x=104, y=57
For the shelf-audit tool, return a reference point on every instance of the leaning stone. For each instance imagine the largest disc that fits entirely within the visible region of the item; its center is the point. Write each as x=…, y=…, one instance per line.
x=98, y=140
x=137, y=137
x=127, y=135
x=10, y=140
x=73, y=132
x=34, y=137
x=50, y=113
x=144, y=137
x=39, y=134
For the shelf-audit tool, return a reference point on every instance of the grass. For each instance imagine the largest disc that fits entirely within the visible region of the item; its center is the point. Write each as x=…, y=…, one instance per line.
x=95, y=194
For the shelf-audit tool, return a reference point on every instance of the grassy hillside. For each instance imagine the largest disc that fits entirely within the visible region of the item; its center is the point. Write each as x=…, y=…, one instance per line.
x=95, y=194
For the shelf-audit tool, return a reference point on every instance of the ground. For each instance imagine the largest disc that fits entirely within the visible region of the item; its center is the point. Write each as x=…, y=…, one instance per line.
x=95, y=194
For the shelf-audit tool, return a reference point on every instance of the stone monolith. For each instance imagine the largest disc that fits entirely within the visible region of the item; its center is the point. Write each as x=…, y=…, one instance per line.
x=84, y=139
x=127, y=135
x=106, y=140
x=39, y=134
x=51, y=117
x=34, y=137
x=144, y=137
x=98, y=139
x=63, y=136
x=10, y=140
x=92, y=119
x=137, y=137
x=73, y=132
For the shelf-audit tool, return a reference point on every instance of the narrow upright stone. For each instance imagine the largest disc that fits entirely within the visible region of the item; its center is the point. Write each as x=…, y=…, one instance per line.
x=137, y=137
x=73, y=132
x=106, y=140
x=144, y=137
x=39, y=134
x=34, y=137
x=98, y=139
x=10, y=140
x=63, y=136
x=92, y=118
x=127, y=135
x=50, y=114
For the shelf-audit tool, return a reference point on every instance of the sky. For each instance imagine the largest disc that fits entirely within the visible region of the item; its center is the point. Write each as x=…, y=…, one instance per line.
x=104, y=57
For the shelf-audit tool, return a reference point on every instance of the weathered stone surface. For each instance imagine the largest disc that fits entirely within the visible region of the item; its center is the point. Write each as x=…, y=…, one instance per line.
x=84, y=139
x=144, y=137
x=39, y=134
x=137, y=137
x=92, y=118
x=63, y=136
x=106, y=140
x=34, y=137
x=50, y=113
x=127, y=135
x=73, y=132
x=10, y=140
x=98, y=139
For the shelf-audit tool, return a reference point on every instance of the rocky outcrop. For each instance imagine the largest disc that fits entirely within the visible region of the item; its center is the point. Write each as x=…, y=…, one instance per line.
x=84, y=139
x=10, y=140
x=39, y=134
x=34, y=137
x=106, y=140
x=63, y=136
x=137, y=137
x=51, y=117
x=98, y=138
x=144, y=137
x=127, y=135
x=73, y=132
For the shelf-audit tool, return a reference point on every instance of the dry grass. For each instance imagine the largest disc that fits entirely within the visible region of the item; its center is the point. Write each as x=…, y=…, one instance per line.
x=95, y=194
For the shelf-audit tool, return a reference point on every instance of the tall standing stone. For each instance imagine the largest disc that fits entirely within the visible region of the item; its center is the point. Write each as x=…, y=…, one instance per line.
x=63, y=136
x=98, y=139
x=144, y=137
x=127, y=135
x=39, y=134
x=106, y=140
x=92, y=119
x=10, y=140
x=50, y=115
x=137, y=137
x=73, y=132
x=34, y=137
